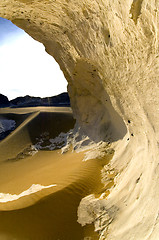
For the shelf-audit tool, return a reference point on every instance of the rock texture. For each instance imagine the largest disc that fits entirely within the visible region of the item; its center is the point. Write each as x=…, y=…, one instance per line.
x=108, y=52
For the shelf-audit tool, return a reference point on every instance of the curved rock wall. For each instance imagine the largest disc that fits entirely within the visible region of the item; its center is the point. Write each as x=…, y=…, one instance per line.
x=108, y=51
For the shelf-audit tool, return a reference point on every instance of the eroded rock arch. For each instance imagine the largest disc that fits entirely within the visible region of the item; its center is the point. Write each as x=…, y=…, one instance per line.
x=78, y=54
x=108, y=51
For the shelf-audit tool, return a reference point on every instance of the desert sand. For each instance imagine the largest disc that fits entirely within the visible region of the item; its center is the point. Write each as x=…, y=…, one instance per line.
x=59, y=181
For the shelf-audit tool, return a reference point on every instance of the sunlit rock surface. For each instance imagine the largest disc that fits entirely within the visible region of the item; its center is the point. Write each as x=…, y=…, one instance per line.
x=108, y=51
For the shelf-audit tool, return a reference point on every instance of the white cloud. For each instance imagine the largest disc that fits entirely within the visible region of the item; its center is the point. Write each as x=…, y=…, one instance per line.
x=25, y=68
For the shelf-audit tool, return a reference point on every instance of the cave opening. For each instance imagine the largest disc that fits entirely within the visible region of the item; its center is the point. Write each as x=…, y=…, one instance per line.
x=84, y=76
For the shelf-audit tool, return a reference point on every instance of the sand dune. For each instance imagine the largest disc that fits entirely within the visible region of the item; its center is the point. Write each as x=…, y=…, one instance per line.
x=40, y=190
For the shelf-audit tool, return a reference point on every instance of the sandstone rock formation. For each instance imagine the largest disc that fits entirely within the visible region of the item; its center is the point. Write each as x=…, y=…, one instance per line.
x=108, y=52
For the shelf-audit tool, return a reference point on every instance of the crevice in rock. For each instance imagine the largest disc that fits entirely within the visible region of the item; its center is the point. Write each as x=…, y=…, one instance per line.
x=135, y=10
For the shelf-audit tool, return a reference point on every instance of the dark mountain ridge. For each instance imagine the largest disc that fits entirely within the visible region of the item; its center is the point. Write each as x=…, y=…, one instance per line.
x=29, y=101
x=4, y=102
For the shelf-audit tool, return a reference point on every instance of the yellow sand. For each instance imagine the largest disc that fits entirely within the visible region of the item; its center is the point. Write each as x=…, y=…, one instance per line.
x=50, y=213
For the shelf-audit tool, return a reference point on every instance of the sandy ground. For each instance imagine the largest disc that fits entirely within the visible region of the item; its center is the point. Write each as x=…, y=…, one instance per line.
x=49, y=213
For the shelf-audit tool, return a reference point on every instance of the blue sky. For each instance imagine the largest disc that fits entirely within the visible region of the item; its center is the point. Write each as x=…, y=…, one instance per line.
x=25, y=67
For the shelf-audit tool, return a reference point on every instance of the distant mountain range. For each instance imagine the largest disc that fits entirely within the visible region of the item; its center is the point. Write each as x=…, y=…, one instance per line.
x=61, y=100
